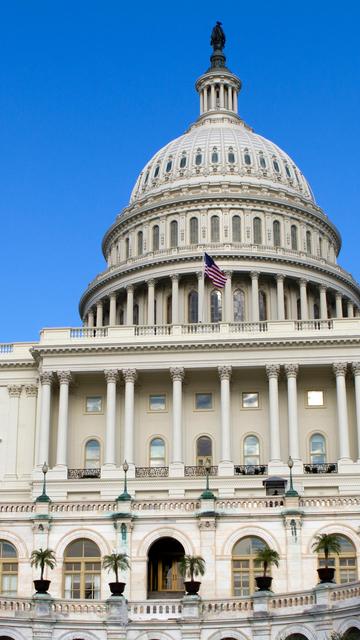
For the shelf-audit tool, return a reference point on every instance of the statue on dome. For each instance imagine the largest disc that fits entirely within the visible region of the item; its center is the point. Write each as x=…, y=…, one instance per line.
x=218, y=39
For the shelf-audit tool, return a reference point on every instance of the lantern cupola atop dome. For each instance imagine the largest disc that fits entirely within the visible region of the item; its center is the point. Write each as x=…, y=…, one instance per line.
x=218, y=88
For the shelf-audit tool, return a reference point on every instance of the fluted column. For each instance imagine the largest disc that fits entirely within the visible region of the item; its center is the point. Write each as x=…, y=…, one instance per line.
x=339, y=369
x=356, y=371
x=230, y=100
x=338, y=302
x=304, y=312
x=350, y=309
x=272, y=371
x=151, y=302
x=99, y=313
x=205, y=100
x=200, y=277
x=323, y=303
x=228, y=315
x=64, y=378
x=280, y=297
x=255, y=295
x=235, y=101
x=177, y=376
x=225, y=376
x=291, y=371
x=175, y=298
x=112, y=314
x=222, y=100
x=111, y=377
x=130, y=376
x=129, y=304
x=212, y=99
x=90, y=322
x=14, y=391
x=45, y=409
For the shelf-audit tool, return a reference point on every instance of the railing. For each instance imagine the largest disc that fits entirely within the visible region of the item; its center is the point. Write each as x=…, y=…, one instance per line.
x=215, y=607
x=200, y=327
x=155, y=609
x=313, y=325
x=154, y=330
x=250, y=469
x=151, y=472
x=82, y=474
x=252, y=327
x=323, y=467
x=198, y=470
x=6, y=348
x=89, y=332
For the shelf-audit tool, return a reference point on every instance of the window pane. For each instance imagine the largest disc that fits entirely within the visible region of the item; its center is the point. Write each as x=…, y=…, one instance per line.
x=156, y=172
x=215, y=229
x=193, y=307
x=257, y=231
x=157, y=402
x=204, y=446
x=236, y=229
x=174, y=233
x=214, y=157
x=168, y=166
x=294, y=240
x=94, y=404
x=315, y=398
x=216, y=306
x=239, y=305
x=203, y=401
x=198, y=159
x=92, y=454
x=262, y=162
x=276, y=233
x=247, y=159
x=183, y=162
x=231, y=157
x=262, y=306
x=155, y=235
x=7, y=550
x=194, y=234
x=250, y=400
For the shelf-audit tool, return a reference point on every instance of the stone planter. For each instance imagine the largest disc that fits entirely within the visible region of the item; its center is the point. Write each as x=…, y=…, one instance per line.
x=326, y=574
x=263, y=583
x=192, y=587
x=41, y=586
x=117, y=588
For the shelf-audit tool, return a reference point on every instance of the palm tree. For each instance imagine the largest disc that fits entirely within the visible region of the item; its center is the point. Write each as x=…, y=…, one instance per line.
x=192, y=566
x=43, y=558
x=267, y=557
x=116, y=562
x=327, y=543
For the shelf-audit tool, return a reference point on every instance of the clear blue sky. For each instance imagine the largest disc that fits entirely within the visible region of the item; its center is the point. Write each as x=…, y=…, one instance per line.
x=89, y=90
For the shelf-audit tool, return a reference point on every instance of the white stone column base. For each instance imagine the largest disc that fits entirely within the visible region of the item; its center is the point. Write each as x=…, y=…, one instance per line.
x=176, y=470
x=226, y=468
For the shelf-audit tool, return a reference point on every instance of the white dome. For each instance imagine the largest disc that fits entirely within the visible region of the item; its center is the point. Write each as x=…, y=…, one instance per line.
x=217, y=146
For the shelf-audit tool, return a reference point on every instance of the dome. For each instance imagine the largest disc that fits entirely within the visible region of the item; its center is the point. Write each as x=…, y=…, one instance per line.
x=219, y=145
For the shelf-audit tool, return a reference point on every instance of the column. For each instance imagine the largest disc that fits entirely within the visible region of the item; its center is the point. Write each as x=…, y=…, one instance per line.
x=31, y=394
x=205, y=100
x=291, y=371
x=201, y=102
x=175, y=298
x=62, y=433
x=280, y=297
x=177, y=376
x=99, y=313
x=235, y=101
x=338, y=302
x=222, y=100
x=225, y=376
x=112, y=314
x=14, y=391
x=45, y=408
x=151, y=302
x=90, y=322
x=212, y=97
x=356, y=371
x=323, y=303
x=303, y=300
x=200, y=277
x=255, y=295
x=272, y=372
x=230, y=100
x=111, y=377
x=130, y=376
x=350, y=309
x=228, y=307
x=129, y=304
x=339, y=369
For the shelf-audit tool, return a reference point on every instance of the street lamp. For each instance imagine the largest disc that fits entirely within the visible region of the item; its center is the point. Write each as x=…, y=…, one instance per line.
x=43, y=497
x=291, y=491
x=207, y=494
x=125, y=495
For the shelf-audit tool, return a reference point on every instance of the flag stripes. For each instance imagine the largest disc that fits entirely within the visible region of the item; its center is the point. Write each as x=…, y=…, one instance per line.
x=213, y=272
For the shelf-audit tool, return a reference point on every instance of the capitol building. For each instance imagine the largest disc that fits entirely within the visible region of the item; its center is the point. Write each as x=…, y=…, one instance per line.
x=186, y=416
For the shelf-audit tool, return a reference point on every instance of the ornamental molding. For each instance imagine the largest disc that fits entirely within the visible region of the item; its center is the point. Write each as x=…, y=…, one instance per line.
x=130, y=375
x=177, y=374
x=64, y=377
x=18, y=364
x=355, y=366
x=225, y=372
x=15, y=390
x=272, y=370
x=111, y=375
x=31, y=390
x=291, y=370
x=46, y=377
x=340, y=368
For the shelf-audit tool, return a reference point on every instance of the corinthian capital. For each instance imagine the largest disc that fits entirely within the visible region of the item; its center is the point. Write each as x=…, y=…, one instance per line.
x=291, y=370
x=339, y=368
x=130, y=375
x=272, y=370
x=14, y=390
x=177, y=373
x=355, y=366
x=46, y=377
x=64, y=377
x=224, y=372
x=111, y=375
x=31, y=390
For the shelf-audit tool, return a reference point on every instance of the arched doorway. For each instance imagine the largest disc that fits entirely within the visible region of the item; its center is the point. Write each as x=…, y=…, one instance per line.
x=296, y=636
x=352, y=634
x=164, y=579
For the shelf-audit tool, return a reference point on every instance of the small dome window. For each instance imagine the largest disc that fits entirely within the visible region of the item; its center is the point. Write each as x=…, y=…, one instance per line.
x=231, y=156
x=183, y=162
x=168, y=166
x=288, y=172
x=215, y=156
x=146, y=177
x=276, y=166
x=156, y=172
x=198, y=158
x=262, y=162
x=247, y=158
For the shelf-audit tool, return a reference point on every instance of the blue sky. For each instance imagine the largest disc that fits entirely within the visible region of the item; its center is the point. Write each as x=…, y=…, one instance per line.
x=89, y=90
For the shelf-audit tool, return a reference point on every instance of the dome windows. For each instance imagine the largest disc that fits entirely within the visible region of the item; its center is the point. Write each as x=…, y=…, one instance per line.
x=157, y=171
x=183, y=161
x=155, y=238
x=198, y=158
x=257, y=230
x=294, y=237
x=276, y=233
x=215, y=229
x=236, y=228
x=288, y=172
x=214, y=156
x=276, y=166
x=231, y=156
x=146, y=178
x=262, y=161
x=173, y=233
x=247, y=158
x=194, y=230
x=168, y=165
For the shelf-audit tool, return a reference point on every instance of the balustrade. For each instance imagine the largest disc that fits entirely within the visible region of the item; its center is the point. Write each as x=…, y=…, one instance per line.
x=89, y=332
x=323, y=467
x=81, y=474
x=6, y=348
x=151, y=472
x=250, y=469
x=198, y=470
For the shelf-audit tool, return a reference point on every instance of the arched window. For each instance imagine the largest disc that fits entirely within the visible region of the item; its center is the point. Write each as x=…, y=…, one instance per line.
x=251, y=450
x=203, y=451
x=215, y=229
x=139, y=243
x=92, y=454
x=168, y=166
x=82, y=570
x=239, y=305
x=169, y=309
x=236, y=229
x=136, y=314
x=345, y=563
x=194, y=231
x=214, y=156
x=155, y=238
x=231, y=156
x=127, y=248
x=276, y=166
x=317, y=449
x=247, y=158
x=215, y=306
x=294, y=237
x=193, y=307
x=276, y=233
x=320, y=248
x=198, y=158
x=8, y=568
x=262, y=162
x=257, y=231
x=183, y=161
x=262, y=306
x=173, y=233
x=308, y=242
x=157, y=171
x=157, y=452
x=245, y=566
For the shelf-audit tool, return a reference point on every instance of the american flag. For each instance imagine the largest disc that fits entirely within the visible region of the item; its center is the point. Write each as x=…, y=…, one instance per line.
x=217, y=277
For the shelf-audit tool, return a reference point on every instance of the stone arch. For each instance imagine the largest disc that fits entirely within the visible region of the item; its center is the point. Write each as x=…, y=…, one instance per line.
x=18, y=543
x=342, y=529
x=259, y=532
x=348, y=624
x=154, y=635
x=291, y=629
x=164, y=532
x=227, y=634
x=12, y=633
x=73, y=535
x=78, y=635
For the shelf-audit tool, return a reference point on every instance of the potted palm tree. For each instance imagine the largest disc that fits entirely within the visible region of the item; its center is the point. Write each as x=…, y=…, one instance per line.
x=191, y=567
x=116, y=562
x=42, y=558
x=326, y=543
x=267, y=557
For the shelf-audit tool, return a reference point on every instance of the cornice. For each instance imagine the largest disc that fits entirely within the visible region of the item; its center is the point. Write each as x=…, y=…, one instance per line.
x=17, y=364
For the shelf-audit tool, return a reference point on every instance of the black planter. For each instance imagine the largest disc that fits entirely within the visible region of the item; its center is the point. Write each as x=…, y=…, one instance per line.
x=192, y=587
x=263, y=583
x=117, y=588
x=41, y=586
x=326, y=574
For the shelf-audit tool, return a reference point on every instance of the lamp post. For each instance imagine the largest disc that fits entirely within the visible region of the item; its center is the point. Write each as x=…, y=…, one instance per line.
x=207, y=494
x=291, y=491
x=44, y=497
x=124, y=496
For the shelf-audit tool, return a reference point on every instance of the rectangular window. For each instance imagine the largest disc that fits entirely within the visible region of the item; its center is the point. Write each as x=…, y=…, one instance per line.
x=157, y=402
x=203, y=401
x=94, y=404
x=315, y=398
x=250, y=400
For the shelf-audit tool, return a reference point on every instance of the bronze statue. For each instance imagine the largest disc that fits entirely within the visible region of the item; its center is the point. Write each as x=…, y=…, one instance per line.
x=218, y=37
